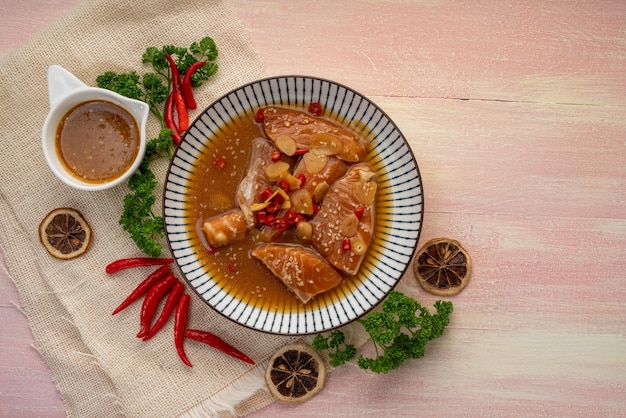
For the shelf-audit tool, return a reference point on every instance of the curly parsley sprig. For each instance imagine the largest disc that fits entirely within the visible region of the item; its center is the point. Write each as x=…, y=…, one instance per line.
x=399, y=333
x=340, y=352
x=153, y=87
x=138, y=219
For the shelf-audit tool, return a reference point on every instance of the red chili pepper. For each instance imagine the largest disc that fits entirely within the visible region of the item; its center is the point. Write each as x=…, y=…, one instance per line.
x=269, y=220
x=346, y=245
x=359, y=211
x=315, y=108
x=291, y=217
x=302, y=179
x=284, y=184
x=273, y=207
x=260, y=116
x=275, y=156
x=187, y=91
x=300, y=151
x=265, y=194
x=179, y=101
x=125, y=263
x=232, y=266
x=216, y=342
x=151, y=302
x=168, y=116
x=180, y=325
x=278, y=198
x=183, y=116
x=261, y=217
x=280, y=224
x=220, y=163
x=168, y=309
x=143, y=287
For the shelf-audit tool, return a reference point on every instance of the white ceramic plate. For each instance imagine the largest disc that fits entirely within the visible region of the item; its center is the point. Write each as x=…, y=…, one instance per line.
x=399, y=210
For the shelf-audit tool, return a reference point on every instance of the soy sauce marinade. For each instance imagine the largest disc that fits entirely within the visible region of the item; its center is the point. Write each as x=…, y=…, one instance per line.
x=97, y=141
x=212, y=192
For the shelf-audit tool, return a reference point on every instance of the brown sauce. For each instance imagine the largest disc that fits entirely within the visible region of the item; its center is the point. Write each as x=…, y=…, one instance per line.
x=97, y=141
x=212, y=192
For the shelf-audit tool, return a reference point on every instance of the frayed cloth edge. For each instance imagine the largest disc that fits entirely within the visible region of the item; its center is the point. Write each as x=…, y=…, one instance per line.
x=233, y=394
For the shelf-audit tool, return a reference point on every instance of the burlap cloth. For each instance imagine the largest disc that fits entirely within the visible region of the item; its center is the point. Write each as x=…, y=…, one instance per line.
x=99, y=366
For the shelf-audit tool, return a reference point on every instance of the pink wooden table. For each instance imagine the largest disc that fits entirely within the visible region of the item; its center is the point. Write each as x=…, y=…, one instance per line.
x=516, y=112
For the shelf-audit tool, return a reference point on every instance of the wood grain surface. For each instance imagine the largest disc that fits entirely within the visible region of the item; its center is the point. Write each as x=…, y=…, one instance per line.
x=516, y=113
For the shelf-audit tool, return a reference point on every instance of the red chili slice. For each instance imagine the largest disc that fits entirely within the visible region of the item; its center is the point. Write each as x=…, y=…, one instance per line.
x=346, y=245
x=315, y=108
x=278, y=198
x=280, y=224
x=260, y=116
x=284, y=184
x=291, y=217
x=273, y=207
x=220, y=163
x=276, y=156
x=300, y=151
x=359, y=211
x=261, y=217
x=265, y=194
x=302, y=179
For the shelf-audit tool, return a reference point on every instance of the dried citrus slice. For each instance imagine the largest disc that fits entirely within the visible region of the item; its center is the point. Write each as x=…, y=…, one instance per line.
x=65, y=233
x=442, y=266
x=295, y=373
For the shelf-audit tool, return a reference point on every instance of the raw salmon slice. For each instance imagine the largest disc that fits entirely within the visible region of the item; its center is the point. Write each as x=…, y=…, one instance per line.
x=254, y=182
x=343, y=227
x=315, y=133
x=225, y=228
x=302, y=270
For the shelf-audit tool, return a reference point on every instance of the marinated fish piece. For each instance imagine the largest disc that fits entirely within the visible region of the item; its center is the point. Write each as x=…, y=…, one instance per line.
x=317, y=134
x=310, y=192
x=225, y=228
x=302, y=270
x=255, y=180
x=316, y=173
x=344, y=226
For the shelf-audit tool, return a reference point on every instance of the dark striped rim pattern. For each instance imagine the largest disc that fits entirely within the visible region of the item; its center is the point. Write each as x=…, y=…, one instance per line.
x=399, y=210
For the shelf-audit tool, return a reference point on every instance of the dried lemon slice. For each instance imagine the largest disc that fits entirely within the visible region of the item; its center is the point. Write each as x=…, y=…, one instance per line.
x=442, y=266
x=295, y=373
x=65, y=233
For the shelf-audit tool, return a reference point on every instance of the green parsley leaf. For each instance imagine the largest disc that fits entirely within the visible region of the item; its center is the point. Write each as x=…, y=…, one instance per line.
x=126, y=84
x=399, y=332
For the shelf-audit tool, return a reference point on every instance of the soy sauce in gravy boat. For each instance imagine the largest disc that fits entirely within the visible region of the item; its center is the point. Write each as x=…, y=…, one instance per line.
x=92, y=138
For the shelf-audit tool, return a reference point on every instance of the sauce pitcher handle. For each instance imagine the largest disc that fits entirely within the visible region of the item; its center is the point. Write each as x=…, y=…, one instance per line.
x=60, y=83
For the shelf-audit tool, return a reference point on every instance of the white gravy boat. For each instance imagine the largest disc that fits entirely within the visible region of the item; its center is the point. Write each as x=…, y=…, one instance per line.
x=65, y=91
